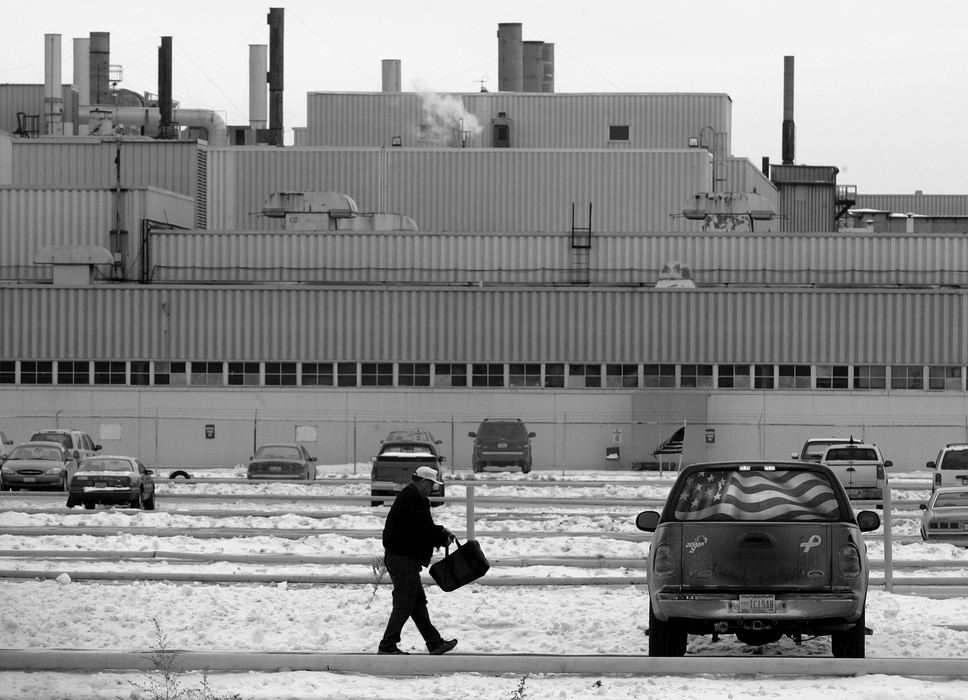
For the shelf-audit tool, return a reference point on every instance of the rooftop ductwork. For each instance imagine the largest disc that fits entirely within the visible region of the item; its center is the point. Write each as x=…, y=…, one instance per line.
x=102, y=120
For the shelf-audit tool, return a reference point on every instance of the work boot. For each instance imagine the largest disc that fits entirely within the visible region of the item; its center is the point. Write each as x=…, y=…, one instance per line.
x=442, y=647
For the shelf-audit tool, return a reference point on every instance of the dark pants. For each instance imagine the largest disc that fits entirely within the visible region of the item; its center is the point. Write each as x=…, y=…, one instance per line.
x=409, y=601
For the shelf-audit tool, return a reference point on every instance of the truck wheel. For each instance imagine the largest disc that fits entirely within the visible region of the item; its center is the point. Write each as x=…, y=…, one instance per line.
x=850, y=644
x=89, y=505
x=666, y=638
x=478, y=467
x=71, y=502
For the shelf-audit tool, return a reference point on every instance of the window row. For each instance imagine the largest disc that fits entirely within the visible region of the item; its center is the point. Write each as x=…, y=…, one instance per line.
x=498, y=375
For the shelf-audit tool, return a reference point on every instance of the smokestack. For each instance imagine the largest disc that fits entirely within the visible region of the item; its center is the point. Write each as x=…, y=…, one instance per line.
x=510, y=57
x=258, y=74
x=391, y=75
x=276, y=21
x=532, y=66
x=548, y=65
x=100, y=68
x=166, y=129
x=82, y=71
x=789, y=130
x=53, y=95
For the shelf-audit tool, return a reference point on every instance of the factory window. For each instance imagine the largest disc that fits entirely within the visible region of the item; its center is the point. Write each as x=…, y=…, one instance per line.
x=832, y=377
x=907, y=377
x=317, y=374
x=584, y=376
x=171, y=373
x=524, y=375
x=491, y=374
x=208, y=374
x=244, y=374
x=942, y=378
x=110, y=372
x=281, y=374
x=696, y=376
x=346, y=374
x=140, y=373
x=8, y=372
x=794, y=376
x=413, y=374
x=763, y=377
x=450, y=374
x=734, y=377
x=41, y=372
x=554, y=377
x=618, y=132
x=70, y=372
x=659, y=376
x=622, y=376
x=870, y=377
x=376, y=374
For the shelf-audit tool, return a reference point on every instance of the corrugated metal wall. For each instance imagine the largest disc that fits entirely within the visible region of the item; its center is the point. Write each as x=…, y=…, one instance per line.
x=468, y=189
x=34, y=217
x=925, y=204
x=90, y=162
x=538, y=120
x=469, y=324
x=631, y=259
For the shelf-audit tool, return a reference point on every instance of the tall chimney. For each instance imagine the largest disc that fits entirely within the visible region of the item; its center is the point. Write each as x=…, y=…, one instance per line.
x=258, y=74
x=276, y=21
x=391, y=74
x=53, y=90
x=532, y=66
x=510, y=57
x=100, y=68
x=548, y=64
x=82, y=71
x=789, y=130
x=166, y=128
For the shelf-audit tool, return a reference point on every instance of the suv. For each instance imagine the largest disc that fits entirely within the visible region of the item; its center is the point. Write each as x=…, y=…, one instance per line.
x=813, y=448
x=758, y=550
x=77, y=442
x=860, y=467
x=395, y=464
x=502, y=442
x=950, y=467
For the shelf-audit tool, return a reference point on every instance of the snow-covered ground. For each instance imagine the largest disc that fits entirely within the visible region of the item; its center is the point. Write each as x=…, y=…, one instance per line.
x=572, y=619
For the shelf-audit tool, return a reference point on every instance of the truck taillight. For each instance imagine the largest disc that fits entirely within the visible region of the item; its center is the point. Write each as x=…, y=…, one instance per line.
x=849, y=561
x=664, y=563
x=937, y=480
x=880, y=472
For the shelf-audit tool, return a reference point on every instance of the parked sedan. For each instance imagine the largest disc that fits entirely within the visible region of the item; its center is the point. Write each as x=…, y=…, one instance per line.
x=758, y=550
x=112, y=480
x=37, y=465
x=282, y=461
x=945, y=517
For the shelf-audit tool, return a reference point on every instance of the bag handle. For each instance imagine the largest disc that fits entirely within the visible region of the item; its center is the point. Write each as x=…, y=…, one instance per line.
x=447, y=546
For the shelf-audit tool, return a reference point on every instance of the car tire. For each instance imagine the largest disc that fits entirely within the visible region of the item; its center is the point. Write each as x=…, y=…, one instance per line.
x=526, y=468
x=478, y=467
x=138, y=502
x=666, y=638
x=4, y=487
x=179, y=474
x=89, y=505
x=149, y=503
x=71, y=502
x=852, y=643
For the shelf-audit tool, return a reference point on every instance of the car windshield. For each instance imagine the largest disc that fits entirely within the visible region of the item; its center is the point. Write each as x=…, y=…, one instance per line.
x=955, y=499
x=851, y=454
x=61, y=438
x=105, y=465
x=757, y=495
x=36, y=452
x=406, y=451
x=501, y=430
x=955, y=459
x=278, y=452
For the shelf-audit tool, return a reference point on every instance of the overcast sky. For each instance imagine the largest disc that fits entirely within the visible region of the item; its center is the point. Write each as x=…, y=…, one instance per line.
x=880, y=86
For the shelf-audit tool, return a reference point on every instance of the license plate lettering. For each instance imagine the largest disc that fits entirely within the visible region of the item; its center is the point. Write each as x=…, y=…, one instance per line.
x=99, y=484
x=502, y=445
x=757, y=604
x=30, y=479
x=275, y=468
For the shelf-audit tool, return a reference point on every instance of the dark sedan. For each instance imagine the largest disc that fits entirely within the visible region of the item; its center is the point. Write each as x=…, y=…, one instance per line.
x=112, y=480
x=37, y=465
x=282, y=461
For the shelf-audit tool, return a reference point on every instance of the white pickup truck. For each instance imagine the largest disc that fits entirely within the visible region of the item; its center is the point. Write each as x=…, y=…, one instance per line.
x=860, y=467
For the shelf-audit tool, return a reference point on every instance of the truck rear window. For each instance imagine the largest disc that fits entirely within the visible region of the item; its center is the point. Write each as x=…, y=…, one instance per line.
x=757, y=495
x=405, y=452
x=851, y=454
x=955, y=460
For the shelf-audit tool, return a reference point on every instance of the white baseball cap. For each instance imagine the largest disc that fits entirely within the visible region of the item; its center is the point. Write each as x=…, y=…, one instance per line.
x=428, y=473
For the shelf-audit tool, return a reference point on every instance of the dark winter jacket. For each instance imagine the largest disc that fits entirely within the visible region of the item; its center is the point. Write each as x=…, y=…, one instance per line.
x=410, y=530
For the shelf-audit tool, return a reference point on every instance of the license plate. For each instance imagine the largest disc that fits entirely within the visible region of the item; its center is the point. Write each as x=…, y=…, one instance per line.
x=855, y=493
x=757, y=604
x=502, y=445
x=30, y=479
x=275, y=468
x=100, y=485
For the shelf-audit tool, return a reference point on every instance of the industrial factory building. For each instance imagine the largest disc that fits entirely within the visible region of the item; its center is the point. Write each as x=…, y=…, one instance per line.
x=601, y=266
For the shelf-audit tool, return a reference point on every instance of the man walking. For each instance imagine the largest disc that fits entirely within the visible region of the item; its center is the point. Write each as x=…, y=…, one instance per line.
x=409, y=539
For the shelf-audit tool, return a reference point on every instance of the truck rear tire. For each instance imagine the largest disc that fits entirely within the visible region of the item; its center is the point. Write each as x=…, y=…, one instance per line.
x=666, y=638
x=852, y=643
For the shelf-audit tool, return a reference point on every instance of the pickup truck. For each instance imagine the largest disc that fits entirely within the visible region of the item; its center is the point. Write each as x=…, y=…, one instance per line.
x=860, y=468
x=395, y=464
